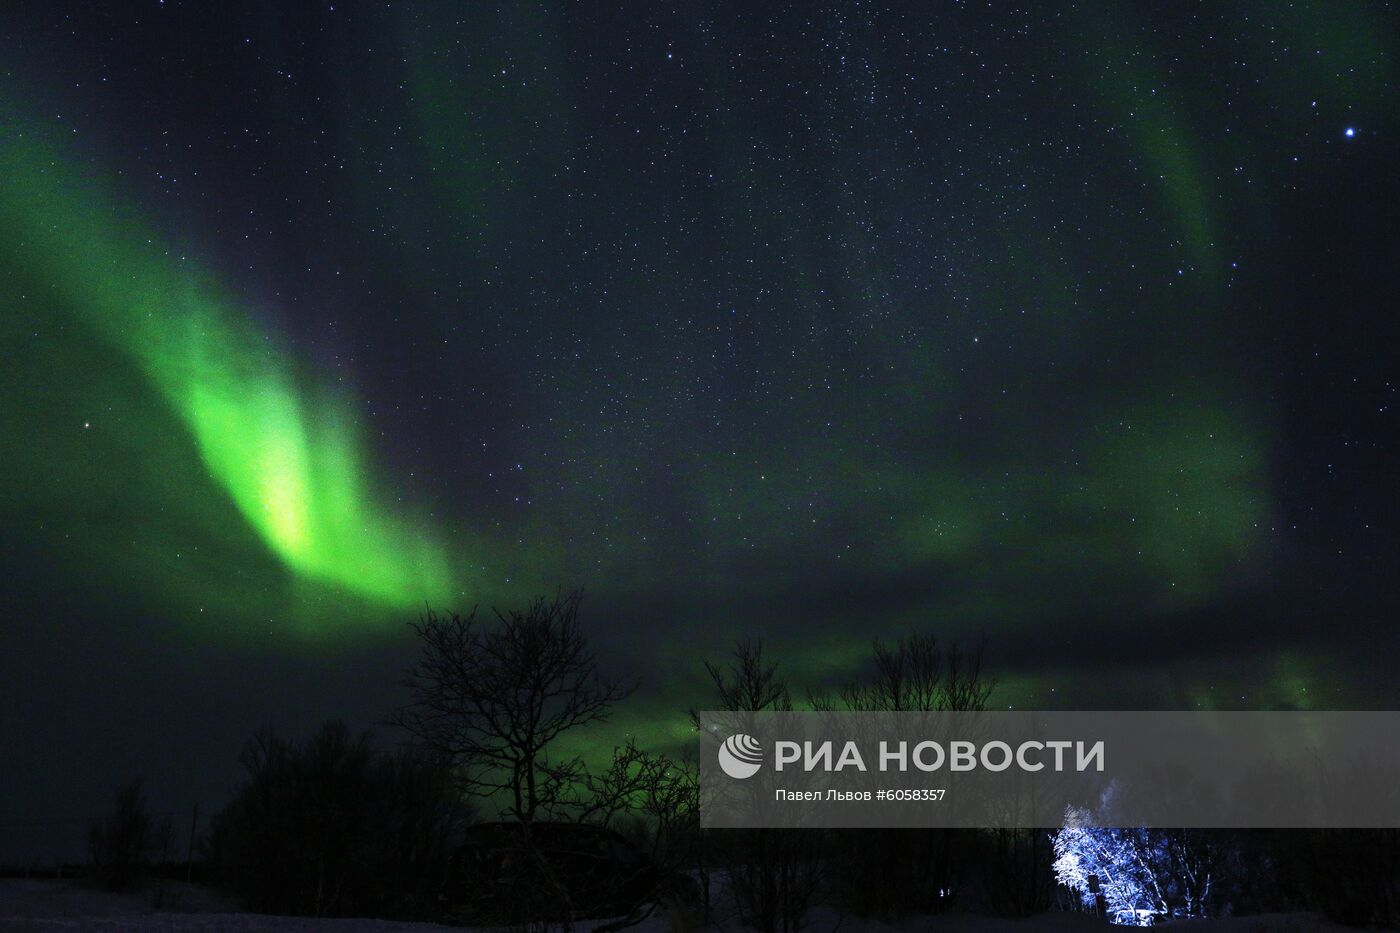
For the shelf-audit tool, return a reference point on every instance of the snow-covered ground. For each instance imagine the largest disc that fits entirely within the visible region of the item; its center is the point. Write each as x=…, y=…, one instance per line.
x=27, y=905
x=54, y=906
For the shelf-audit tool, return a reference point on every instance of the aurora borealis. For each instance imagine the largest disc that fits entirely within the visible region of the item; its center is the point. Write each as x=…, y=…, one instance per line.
x=287, y=460
x=1069, y=325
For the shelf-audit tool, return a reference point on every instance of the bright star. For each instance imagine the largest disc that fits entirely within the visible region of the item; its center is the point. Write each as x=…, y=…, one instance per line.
x=1351, y=131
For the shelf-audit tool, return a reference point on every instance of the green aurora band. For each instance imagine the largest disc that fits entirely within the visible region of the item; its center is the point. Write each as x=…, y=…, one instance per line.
x=290, y=459
x=1167, y=497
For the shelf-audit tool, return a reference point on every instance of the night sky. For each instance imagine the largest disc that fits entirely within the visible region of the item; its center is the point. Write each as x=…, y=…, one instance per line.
x=1073, y=326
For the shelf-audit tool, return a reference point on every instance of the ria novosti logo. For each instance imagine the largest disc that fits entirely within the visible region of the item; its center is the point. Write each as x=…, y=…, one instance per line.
x=740, y=756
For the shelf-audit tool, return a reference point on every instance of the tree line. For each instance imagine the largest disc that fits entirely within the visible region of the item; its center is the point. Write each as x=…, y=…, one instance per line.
x=335, y=826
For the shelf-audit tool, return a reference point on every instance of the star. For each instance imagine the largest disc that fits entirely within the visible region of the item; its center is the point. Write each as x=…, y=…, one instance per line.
x=1350, y=132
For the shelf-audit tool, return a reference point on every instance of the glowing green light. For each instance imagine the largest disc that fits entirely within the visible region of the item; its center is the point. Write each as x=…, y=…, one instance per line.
x=288, y=457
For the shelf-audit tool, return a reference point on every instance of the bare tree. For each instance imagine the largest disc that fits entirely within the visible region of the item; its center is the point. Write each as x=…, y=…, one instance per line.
x=123, y=842
x=632, y=783
x=657, y=798
x=916, y=674
x=748, y=684
x=330, y=827
x=496, y=697
x=909, y=870
x=774, y=876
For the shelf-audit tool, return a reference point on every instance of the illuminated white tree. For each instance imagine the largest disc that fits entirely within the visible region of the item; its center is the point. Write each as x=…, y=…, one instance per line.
x=1120, y=865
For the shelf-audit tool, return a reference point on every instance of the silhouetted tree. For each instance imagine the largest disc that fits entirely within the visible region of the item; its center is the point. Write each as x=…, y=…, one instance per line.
x=1016, y=871
x=495, y=698
x=916, y=674
x=747, y=683
x=774, y=875
x=897, y=871
x=330, y=827
x=123, y=843
x=653, y=800
x=1350, y=875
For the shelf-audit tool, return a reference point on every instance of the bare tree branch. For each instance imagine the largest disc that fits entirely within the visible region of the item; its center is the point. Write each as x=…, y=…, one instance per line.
x=495, y=697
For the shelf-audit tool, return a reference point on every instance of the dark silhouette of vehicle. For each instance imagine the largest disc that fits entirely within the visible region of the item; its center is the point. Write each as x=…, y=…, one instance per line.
x=511, y=873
